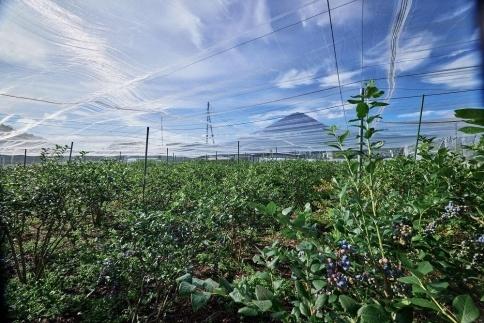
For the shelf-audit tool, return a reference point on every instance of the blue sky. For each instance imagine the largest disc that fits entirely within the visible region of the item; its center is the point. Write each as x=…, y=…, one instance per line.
x=111, y=68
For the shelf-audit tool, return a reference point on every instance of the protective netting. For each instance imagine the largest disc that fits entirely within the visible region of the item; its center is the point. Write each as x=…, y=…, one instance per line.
x=276, y=74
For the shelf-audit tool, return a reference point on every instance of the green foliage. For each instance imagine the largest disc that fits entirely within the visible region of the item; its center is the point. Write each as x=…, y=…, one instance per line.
x=474, y=117
x=362, y=240
x=398, y=241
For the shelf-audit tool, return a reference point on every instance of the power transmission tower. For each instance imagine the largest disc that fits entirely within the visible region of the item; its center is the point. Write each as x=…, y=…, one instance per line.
x=209, y=124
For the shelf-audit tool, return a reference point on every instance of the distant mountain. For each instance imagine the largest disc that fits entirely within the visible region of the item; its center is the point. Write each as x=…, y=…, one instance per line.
x=295, y=122
x=294, y=132
x=16, y=142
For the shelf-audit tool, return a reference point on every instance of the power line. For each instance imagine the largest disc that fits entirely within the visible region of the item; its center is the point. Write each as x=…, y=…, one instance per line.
x=343, y=85
x=222, y=51
x=334, y=106
x=336, y=61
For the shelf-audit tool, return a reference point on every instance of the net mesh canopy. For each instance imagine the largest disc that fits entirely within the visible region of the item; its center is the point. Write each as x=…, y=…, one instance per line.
x=217, y=78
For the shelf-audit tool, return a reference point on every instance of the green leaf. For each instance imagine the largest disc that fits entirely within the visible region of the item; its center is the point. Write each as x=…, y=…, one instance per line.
x=264, y=275
x=362, y=110
x=264, y=305
x=424, y=267
x=405, y=315
x=262, y=293
x=348, y=304
x=373, y=313
x=270, y=208
x=422, y=302
x=471, y=130
x=186, y=288
x=304, y=308
x=343, y=136
x=276, y=284
x=316, y=267
x=186, y=277
x=377, y=144
x=466, y=310
x=319, y=284
x=320, y=301
x=209, y=284
x=248, y=311
x=301, y=291
x=409, y=280
x=236, y=296
x=469, y=113
x=287, y=210
x=378, y=104
x=438, y=287
x=370, y=119
x=478, y=122
x=199, y=300
x=332, y=298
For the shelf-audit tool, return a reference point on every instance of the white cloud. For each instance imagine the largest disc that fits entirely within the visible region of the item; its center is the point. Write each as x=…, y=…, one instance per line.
x=294, y=78
x=344, y=76
x=464, y=78
x=19, y=47
x=428, y=113
x=340, y=14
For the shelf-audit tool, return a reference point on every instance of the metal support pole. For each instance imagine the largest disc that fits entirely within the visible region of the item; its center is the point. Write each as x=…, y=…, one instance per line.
x=173, y=157
x=216, y=155
x=419, y=123
x=238, y=151
x=146, y=167
x=25, y=157
x=360, y=155
x=70, y=151
x=167, y=155
x=120, y=157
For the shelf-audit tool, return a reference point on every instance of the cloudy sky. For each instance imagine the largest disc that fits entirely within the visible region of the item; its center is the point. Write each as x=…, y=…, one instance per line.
x=99, y=72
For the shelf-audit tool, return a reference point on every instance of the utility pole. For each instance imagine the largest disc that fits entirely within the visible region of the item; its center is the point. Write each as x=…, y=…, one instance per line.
x=209, y=124
x=238, y=151
x=70, y=151
x=360, y=155
x=419, y=123
x=146, y=167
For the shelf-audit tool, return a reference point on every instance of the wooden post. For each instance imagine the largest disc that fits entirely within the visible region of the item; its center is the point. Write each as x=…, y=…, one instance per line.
x=419, y=123
x=146, y=167
x=70, y=151
x=25, y=157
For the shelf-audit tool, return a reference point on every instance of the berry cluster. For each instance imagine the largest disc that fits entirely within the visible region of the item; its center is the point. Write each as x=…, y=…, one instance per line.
x=472, y=251
x=336, y=270
x=392, y=272
x=402, y=232
x=480, y=239
x=365, y=278
x=430, y=228
x=451, y=211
